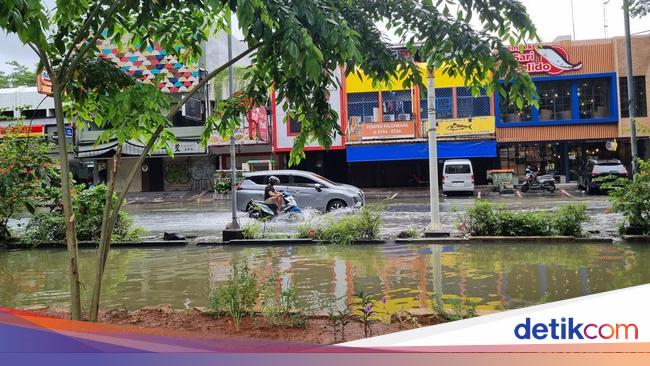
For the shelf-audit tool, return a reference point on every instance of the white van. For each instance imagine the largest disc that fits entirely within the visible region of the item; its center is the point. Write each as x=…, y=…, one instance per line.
x=458, y=176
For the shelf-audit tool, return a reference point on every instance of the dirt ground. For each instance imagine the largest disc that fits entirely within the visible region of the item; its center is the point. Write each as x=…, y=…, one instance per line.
x=197, y=323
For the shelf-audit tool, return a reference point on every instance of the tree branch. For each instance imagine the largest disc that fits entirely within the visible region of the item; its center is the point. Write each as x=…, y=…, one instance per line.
x=89, y=44
x=80, y=34
x=159, y=130
x=210, y=76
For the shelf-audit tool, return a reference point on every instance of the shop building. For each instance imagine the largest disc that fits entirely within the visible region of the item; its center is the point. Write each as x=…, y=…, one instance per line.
x=578, y=114
x=641, y=75
x=387, y=130
x=330, y=162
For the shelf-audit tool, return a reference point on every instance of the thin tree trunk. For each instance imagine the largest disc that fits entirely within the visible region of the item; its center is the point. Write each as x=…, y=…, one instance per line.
x=68, y=214
x=105, y=236
x=108, y=225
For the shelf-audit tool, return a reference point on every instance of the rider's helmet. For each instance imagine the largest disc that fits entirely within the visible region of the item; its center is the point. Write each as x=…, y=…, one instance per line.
x=273, y=180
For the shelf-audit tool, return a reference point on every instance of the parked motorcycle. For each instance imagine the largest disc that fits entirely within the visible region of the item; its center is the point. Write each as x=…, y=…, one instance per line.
x=538, y=183
x=261, y=210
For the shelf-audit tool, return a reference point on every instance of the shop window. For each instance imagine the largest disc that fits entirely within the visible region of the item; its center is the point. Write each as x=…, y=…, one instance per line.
x=294, y=126
x=397, y=106
x=593, y=98
x=469, y=106
x=6, y=115
x=362, y=106
x=554, y=100
x=640, y=97
x=34, y=113
x=511, y=113
x=444, y=104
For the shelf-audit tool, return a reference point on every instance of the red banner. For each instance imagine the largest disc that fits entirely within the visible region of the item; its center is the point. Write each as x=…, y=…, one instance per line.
x=23, y=131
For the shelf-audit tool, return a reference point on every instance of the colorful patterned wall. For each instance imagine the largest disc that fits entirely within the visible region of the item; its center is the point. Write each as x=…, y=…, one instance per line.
x=152, y=61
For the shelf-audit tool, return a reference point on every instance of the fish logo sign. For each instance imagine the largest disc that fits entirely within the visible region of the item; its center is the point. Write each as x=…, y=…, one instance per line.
x=459, y=127
x=552, y=60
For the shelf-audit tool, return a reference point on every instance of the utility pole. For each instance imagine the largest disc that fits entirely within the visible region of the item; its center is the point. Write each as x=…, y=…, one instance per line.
x=232, y=231
x=435, y=229
x=630, y=86
x=573, y=21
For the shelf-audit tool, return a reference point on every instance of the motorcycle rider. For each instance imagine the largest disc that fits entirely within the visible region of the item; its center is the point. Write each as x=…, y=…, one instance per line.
x=271, y=197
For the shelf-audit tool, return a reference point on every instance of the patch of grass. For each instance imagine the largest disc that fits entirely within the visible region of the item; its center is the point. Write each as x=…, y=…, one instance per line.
x=408, y=233
x=486, y=219
x=252, y=230
x=363, y=224
x=283, y=309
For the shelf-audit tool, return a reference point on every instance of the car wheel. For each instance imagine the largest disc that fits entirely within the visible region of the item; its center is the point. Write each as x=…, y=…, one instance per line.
x=551, y=187
x=336, y=204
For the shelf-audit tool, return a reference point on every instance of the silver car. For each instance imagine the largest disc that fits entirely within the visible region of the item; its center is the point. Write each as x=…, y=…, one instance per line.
x=309, y=189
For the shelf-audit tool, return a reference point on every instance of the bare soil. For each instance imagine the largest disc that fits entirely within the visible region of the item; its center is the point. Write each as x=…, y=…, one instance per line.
x=197, y=323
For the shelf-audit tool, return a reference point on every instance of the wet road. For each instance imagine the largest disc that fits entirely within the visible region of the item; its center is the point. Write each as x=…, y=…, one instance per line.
x=207, y=219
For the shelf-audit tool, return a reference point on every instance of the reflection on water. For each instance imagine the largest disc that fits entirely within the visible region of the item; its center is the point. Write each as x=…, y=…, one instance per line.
x=495, y=276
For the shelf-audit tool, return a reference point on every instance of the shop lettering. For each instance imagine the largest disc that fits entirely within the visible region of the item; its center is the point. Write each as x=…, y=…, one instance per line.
x=552, y=60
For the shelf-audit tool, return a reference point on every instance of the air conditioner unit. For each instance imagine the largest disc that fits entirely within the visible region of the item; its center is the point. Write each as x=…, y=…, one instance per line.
x=367, y=118
x=193, y=109
x=404, y=117
x=389, y=117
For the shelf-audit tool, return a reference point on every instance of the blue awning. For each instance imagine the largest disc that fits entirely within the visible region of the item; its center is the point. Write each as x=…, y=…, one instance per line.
x=417, y=151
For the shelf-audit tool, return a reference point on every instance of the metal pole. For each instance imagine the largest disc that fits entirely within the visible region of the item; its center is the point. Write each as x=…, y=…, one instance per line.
x=433, y=152
x=233, y=162
x=630, y=85
x=573, y=21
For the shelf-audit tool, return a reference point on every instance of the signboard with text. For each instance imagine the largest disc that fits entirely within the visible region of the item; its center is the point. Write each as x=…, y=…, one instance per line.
x=388, y=130
x=466, y=126
x=547, y=59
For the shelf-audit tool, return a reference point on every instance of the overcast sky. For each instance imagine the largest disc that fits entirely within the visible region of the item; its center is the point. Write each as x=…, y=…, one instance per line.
x=552, y=18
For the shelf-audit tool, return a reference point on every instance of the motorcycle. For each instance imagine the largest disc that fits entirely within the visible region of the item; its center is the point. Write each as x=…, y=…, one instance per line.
x=261, y=210
x=538, y=183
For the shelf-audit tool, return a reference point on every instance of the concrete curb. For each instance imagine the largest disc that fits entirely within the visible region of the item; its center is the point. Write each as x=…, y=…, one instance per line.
x=637, y=239
x=91, y=244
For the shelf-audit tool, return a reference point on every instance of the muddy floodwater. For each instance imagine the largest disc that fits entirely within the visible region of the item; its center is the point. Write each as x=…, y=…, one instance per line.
x=492, y=276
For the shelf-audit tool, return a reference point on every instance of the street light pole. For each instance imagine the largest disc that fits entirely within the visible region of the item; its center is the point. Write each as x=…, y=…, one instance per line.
x=234, y=225
x=630, y=85
x=434, y=226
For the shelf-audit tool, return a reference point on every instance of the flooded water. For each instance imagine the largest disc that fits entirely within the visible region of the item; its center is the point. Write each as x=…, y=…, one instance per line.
x=494, y=276
x=207, y=219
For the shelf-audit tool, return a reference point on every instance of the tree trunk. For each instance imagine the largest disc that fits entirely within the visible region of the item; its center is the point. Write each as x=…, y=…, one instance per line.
x=68, y=214
x=105, y=237
x=108, y=223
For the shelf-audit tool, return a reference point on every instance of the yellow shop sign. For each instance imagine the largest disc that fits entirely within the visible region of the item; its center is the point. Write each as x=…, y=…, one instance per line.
x=465, y=126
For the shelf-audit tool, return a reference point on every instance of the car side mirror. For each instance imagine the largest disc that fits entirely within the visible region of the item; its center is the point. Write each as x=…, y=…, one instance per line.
x=318, y=187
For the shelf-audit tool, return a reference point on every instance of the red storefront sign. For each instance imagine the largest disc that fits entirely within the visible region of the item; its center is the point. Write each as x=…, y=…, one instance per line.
x=23, y=131
x=552, y=60
x=258, y=128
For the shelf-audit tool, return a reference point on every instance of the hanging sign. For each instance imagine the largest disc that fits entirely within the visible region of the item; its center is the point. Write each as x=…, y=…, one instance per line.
x=44, y=84
x=548, y=59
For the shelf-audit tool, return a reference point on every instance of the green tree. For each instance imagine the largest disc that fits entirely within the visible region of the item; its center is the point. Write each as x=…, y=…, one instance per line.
x=20, y=76
x=26, y=175
x=639, y=8
x=632, y=197
x=295, y=48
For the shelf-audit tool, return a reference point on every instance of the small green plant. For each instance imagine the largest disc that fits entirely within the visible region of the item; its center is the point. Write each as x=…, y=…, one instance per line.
x=88, y=205
x=568, y=220
x=252, y=230
x=237, y=296
x=361, y=225
x=364, y=312
x=283, y=309
x=408, y=233
x=632, y=198
x=460, y=308
x=404, y=318
x=337, y=320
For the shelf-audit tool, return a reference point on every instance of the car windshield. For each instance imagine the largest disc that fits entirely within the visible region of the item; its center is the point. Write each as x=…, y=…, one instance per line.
x=457, y=169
